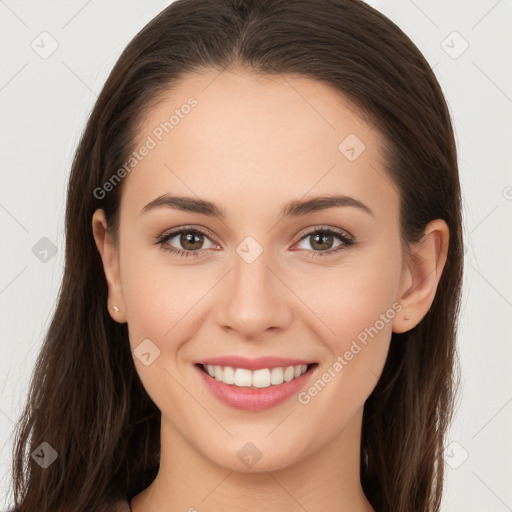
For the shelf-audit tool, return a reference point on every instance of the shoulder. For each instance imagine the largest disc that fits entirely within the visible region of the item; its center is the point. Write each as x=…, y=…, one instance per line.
x=119, y=506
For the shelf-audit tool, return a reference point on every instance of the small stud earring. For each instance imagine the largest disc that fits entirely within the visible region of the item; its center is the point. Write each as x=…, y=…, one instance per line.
x=115, y=308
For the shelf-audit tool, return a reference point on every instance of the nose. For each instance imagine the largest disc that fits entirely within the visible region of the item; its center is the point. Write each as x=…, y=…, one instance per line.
x=254, y=299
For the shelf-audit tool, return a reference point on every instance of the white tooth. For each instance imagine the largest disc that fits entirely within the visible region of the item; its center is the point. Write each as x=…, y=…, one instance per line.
x=243, y=377
x=218, y=372
x=229, y=375
x=276, y=377
x=289, y=373
x=261, y=378
x=258, y=379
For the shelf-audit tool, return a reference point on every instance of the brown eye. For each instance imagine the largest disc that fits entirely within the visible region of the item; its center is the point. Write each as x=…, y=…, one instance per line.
x=323, y=240
x=185, y=242
x=191, y=240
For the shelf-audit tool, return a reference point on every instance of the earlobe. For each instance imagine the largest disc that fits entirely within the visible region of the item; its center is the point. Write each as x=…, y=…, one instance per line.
x=421, y=275
x=108, y=255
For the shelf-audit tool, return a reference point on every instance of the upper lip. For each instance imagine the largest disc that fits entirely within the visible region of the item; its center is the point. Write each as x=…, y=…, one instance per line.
x=257, y=363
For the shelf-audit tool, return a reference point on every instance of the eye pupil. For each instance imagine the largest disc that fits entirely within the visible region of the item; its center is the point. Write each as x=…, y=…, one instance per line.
x=190, y=238
x=322, y=237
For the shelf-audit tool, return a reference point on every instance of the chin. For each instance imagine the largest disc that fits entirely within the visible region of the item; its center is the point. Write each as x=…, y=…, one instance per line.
x=256, y=455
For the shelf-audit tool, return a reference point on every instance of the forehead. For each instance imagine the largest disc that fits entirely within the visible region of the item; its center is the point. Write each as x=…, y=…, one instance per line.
x=257, y=139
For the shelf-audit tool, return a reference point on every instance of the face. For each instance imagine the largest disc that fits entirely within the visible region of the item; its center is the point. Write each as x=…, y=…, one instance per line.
x=313, y=287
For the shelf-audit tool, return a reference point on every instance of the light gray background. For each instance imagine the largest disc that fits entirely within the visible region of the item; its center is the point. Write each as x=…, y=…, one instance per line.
x=44, y=103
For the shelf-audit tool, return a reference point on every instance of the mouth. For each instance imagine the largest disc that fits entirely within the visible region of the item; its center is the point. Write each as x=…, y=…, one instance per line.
x=255, y=390
x=255, y=379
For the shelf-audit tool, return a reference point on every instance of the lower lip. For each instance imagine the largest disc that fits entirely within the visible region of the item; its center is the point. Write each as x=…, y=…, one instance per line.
x=254, y=399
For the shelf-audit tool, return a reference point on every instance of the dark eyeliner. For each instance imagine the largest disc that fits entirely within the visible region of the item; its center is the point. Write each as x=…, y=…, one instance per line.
x=179, y=252
x=344, y=237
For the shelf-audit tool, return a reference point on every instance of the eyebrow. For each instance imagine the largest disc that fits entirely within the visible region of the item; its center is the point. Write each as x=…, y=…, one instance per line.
x=295, y=208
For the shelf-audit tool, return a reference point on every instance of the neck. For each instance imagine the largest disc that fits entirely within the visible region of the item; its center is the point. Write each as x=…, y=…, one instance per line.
x=326, y=480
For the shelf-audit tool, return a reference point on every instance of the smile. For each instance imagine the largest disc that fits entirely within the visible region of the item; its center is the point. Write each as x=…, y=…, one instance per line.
x=257, y=389
x=257, y=379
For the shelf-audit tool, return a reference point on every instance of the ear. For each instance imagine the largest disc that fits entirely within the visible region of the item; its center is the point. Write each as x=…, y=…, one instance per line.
x=421, y=275
x=109, y=256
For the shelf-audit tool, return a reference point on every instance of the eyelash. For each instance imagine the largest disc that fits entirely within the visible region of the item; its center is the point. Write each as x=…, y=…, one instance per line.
x=340, y=234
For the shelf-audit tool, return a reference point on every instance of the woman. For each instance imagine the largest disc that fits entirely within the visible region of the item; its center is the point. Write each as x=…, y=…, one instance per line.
x=262, y=276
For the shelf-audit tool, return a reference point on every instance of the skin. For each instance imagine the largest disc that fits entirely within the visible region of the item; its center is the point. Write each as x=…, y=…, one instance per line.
x=252, y=144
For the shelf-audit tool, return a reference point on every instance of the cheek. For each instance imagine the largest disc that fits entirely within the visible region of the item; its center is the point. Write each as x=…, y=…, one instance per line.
x=159, y=302
x=364, y=308
x=158, y=295
x=356, y=305
x=353, y=297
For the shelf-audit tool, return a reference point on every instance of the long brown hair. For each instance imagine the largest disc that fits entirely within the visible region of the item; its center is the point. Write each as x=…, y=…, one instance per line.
x=86, y=400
